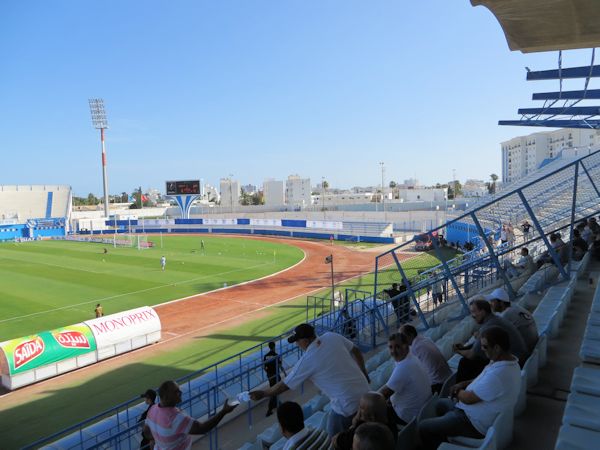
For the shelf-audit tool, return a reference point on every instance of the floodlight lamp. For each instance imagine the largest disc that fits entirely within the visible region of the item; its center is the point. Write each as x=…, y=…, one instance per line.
x=98, y=113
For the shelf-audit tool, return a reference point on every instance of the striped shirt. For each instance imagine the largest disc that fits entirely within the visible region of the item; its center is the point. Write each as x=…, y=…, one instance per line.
x=170, y=427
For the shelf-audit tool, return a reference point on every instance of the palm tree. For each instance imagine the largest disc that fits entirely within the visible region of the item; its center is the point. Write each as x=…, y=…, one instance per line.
x=494, y=178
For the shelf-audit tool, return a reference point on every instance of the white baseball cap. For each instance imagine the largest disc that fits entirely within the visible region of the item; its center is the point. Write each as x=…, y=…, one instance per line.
x=498, y=294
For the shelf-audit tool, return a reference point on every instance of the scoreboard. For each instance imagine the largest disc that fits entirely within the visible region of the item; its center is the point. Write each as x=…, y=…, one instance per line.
x=189, y=187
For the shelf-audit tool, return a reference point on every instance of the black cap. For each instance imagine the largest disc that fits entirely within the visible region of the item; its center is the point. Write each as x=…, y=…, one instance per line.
x=303, y=331
x=150, y=393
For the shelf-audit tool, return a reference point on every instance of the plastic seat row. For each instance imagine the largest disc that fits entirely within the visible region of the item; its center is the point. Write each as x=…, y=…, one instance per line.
x=590, y=347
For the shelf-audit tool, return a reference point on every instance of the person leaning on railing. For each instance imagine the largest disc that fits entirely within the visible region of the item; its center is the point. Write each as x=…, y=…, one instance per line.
x=168, y=427
x=335, y=366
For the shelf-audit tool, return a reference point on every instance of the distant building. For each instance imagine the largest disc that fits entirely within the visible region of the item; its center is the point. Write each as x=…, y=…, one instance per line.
x=422, y=194
x=411, y=183
x=249, y=189
x=273, y=192
x=474, y=188
x=211, y=193
x=524, y=154
x=297, y=191
x=230, y=193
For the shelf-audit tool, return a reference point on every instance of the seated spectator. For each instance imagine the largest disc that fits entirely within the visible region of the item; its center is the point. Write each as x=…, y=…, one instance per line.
x=515, y=314
x=149, y=398
x=585, y=231
x=335, y=366
x=524, y=265
x=593, y=225
x=580, y=246
x=291, y=421
x=480, y=401
x=349, y=325
x=373, y=436
x=167, y=427
x=373, y=408
x=409, y=386
x=474, y=358
x=559, y=247
x=429, y=356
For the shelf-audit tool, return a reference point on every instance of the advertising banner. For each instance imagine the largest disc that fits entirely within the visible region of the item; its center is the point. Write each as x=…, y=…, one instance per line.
x=220, y=221
x=47, y=347
x=116, y=328
x=327, y=225
x=266, y=222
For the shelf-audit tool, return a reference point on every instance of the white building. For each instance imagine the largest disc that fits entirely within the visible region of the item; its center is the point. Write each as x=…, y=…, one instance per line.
x=230, y=193
x=423, y=194
x=273, y=192
x=211, y=193
x=523, y=155
x=345, y=198
x=297, y=191
x=474, y=188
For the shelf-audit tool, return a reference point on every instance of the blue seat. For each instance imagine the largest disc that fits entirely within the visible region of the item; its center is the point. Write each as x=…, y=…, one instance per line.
x=575, y=438
x=503, y=425
x=488, y=443
x=586, y=380
x=582, y=410
x=407, y=437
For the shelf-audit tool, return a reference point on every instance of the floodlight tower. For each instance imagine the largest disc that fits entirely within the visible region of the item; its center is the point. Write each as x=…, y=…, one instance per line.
x=100, y=123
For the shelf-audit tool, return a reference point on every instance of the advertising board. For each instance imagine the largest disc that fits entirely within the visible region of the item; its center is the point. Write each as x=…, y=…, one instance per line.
x=116, y=328
x=48, y=347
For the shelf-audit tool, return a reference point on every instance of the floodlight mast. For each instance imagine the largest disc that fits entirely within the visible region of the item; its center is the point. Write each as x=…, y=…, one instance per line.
x=100, y=123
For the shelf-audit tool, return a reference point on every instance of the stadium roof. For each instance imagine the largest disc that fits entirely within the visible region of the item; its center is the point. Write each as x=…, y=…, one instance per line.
x=547, y=25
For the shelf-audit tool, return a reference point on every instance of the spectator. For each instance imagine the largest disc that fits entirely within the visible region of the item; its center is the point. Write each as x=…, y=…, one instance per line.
x=585, y=231
x=373, y=436
x=580, y=246
x=291, y=421
x=504, y=234
x=273, y=365
x=494, y=391
x=474, y=358
x=526, y=227
x=515, y=314
x=335, y=366
x=373, y=408
x=393, y=294
x=349, y=325
x=437, y=290
x=168, y=427
x=408, y=387
x=593, y=225
x=524, y=265
x=149, y=398
x=429, y=355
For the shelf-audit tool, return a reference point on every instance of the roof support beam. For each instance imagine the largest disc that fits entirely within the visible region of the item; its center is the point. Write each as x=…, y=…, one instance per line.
x=567, y=110
x=595, y=124
x=568, y=73
x=590, y=94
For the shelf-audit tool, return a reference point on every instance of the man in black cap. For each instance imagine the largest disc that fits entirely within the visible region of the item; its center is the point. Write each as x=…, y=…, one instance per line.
x=335, y=366
x=150, y=397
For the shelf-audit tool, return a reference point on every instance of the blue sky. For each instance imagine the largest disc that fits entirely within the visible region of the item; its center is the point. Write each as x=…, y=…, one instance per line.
x=257, y=89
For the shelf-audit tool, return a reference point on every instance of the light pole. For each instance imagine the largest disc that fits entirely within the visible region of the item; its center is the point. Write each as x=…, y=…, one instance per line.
x=323, y=195
x=382, y=187
x=454, y=185
x=100, y=123
x=231, y=191
x=329, y=260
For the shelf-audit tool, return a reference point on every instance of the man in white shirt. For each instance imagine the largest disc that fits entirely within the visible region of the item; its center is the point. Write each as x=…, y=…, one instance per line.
x=408, y=387
x=429, y=356
x=515, y=314
x=524, y=265
x=480, y=401
x=291, y=422
x=335, y=366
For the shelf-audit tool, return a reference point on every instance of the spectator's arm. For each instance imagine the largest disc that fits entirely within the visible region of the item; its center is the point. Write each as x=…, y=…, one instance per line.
x=277, y=389
x=204, y=427
x=467, y=397
x=385, y=391
x=358, y=357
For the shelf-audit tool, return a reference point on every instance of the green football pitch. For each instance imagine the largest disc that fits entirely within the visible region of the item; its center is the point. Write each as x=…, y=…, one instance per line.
x=49, y=284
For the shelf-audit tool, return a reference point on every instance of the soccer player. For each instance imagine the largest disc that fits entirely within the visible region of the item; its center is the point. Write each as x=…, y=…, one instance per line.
x=99, y=311
x=163, y=262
